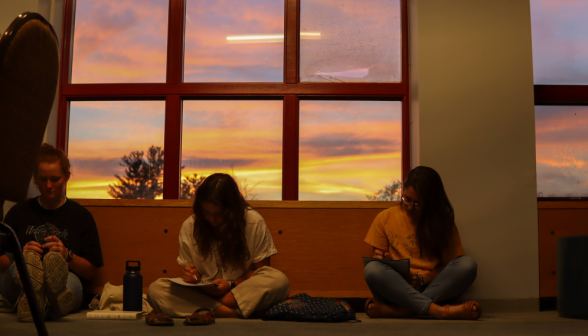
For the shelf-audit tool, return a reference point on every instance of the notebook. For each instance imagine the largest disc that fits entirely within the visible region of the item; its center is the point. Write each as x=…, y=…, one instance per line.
x=114, y=315
x=179, y=281
x=401, y=266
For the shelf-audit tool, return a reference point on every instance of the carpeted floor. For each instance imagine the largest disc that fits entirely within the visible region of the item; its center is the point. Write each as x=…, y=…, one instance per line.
x=537, y=324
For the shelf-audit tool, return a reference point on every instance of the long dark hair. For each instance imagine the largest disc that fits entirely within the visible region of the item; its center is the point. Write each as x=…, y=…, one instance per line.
x=220, y=189
x=436, y=223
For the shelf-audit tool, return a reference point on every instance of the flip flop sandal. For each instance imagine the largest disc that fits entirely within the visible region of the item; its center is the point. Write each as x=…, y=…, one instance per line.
x=159, y=319
x=199, y=318
x=466, y=312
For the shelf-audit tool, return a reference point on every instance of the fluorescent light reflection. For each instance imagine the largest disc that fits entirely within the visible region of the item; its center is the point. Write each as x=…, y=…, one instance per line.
x=268, y=38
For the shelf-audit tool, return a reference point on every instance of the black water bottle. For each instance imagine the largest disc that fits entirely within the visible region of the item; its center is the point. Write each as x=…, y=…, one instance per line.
x=133, y=288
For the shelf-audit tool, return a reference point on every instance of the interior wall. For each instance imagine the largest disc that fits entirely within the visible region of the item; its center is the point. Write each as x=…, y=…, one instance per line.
x=477, y=129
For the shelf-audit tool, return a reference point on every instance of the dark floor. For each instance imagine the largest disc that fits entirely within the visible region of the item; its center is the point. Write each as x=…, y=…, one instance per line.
x=536, y=323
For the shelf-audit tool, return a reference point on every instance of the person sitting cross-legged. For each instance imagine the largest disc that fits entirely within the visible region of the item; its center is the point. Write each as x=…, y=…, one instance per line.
x=422, y=229
x=224, y=242
x=60, y=241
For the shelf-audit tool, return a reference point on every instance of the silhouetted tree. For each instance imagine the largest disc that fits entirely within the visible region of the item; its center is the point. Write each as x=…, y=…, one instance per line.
x=189, y=185
x=143, y=175
x=390, y=192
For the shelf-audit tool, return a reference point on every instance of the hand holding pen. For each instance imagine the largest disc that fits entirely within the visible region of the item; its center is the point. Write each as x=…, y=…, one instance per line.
x=191, y=275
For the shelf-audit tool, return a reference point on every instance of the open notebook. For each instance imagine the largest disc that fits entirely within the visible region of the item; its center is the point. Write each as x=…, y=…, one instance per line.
x=401, y=266
x=179, y=281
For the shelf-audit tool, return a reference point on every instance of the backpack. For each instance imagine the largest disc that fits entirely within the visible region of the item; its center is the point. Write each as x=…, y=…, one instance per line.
x=304, y=308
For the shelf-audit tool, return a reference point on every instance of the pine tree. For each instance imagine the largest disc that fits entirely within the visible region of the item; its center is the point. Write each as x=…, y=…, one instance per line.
x=189, y=185
x=143, y=175
x=390, y=192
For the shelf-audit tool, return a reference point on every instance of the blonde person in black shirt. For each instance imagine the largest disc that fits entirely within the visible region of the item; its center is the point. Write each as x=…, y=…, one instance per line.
x=59, y=239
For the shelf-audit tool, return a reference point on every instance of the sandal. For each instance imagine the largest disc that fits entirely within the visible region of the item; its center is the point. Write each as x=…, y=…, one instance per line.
x=158, y=319
x=199, y=318
x=466, y=312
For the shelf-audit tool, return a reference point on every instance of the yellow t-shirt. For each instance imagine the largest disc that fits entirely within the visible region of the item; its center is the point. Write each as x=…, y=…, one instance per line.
x=393, y=232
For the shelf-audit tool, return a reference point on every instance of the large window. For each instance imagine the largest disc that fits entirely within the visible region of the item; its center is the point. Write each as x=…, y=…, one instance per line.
x=560, y=65
x=298, y=100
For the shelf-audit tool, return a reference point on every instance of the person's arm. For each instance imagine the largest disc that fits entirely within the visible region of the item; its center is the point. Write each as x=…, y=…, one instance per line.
x=256, y=266
x=4, y=263
x=381, y=254
x=78, y=265
x=224, y=286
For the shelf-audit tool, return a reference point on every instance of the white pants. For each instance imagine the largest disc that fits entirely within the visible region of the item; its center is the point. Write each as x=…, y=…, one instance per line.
x=263, y=290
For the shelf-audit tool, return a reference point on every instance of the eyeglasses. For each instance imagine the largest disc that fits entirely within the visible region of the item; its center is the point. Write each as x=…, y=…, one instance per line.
x=407, y=202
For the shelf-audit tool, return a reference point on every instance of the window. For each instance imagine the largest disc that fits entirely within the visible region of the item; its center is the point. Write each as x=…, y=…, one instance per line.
x=560, y=65
x=298, y=100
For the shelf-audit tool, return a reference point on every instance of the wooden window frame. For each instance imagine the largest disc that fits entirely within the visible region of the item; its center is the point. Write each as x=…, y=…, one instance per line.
x=174, y=91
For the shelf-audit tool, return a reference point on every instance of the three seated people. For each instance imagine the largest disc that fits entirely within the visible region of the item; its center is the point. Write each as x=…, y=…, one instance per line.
x=227, y=243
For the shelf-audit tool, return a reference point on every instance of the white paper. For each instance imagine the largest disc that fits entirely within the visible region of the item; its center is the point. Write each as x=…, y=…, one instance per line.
x=181, y=282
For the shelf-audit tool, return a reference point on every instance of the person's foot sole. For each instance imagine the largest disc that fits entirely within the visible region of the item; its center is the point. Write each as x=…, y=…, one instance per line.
x=56, y=273
x=35, y=267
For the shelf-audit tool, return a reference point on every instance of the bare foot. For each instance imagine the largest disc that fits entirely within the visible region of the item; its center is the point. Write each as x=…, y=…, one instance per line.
x=224, y=311
x=466, y=311
x=376, y=309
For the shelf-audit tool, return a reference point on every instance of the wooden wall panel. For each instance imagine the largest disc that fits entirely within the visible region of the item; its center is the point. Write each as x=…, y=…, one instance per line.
x=318, y=249
x=554, y=223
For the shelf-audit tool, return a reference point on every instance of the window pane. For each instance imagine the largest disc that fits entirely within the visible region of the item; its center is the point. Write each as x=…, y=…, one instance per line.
x=560, y=43
x=234, y=41
x=241, y=138
x=350, y=41
x=120, y=41
x=101, y=133
x=562, y=151
x=350, y=150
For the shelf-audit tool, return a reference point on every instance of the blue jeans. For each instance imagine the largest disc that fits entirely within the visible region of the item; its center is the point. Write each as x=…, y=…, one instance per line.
x=10, y=289
x=389, y=287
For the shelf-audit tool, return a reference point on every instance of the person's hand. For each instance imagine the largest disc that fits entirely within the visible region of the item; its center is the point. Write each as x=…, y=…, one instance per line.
x=379, y=254
x=223, y=288
x=191, y=275
x=413, y=279
x=54, y=244
x=33, y=246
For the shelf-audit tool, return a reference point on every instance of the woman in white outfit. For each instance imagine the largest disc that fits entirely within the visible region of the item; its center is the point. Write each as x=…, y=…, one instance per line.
x=224, y=242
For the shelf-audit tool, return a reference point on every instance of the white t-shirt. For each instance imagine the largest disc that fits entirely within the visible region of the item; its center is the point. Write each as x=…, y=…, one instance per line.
x=259, y=241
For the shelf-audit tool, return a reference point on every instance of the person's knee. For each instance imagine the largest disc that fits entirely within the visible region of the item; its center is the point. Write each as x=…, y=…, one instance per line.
x=468, y=266
x=372, y=273
x=280, y=283
x=154, y=290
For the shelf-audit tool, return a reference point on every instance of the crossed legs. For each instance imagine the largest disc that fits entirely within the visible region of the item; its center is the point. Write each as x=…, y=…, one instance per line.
x=394, y=297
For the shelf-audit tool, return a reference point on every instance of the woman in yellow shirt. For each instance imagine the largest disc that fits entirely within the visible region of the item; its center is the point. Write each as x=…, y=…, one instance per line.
x=422, y=229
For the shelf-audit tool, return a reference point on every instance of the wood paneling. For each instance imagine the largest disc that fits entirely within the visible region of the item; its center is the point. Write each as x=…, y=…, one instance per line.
x=553, y=223
x=318, y=249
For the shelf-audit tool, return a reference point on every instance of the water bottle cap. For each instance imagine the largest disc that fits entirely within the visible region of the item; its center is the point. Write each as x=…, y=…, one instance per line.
x=136, y=268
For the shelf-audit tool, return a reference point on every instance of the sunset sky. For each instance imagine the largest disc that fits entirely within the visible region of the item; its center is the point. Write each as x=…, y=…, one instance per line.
x=348, y=149
x=560, y=56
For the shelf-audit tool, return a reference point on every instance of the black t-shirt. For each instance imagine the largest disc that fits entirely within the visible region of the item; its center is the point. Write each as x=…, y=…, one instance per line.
x=74, y=225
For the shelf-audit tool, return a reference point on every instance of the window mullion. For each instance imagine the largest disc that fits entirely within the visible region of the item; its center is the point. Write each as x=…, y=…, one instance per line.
x=290, y=148
x=172, y=147
x=175, y=41
x=291, y=41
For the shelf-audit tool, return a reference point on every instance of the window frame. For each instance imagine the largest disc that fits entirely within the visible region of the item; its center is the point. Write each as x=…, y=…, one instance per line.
x=560, y=95
x=174, y=91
